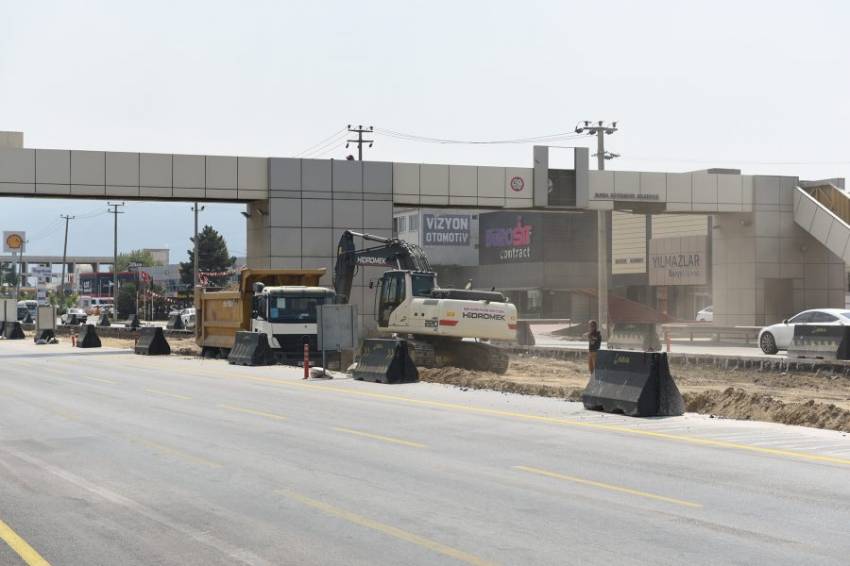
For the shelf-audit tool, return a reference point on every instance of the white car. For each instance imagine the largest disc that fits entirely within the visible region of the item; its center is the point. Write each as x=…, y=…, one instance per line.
x=779, y=336
x=706, y=314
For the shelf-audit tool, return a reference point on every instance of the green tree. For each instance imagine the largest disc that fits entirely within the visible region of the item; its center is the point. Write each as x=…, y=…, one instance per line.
x=126, y=300
x=61, y=302
x=143, y=257
x=212, y=257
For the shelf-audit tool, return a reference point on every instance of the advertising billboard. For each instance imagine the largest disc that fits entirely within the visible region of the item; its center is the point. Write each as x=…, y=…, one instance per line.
x=446, y=229
x=678, y=261
x=509, y=237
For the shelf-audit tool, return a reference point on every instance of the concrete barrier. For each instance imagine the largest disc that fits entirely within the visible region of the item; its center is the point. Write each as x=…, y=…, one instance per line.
x=88, y=337
x=385, y=360
x=820, y=341
x=152, y=342
x=637, y=384
x=251, y=349
x=634, y=336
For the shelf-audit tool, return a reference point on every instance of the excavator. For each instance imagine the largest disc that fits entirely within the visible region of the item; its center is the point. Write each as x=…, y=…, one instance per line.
x=441, y=327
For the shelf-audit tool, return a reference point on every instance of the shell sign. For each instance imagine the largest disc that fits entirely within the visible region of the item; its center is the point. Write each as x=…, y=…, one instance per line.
x=13, y=242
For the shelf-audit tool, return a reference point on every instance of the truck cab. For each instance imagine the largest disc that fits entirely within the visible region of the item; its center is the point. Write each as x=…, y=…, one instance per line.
x=287, y=315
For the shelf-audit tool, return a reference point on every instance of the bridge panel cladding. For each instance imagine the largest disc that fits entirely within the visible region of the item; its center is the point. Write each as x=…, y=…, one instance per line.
x=55, y=173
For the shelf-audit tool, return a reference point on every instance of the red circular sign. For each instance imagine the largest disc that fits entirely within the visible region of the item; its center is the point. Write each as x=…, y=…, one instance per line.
x=517, y=184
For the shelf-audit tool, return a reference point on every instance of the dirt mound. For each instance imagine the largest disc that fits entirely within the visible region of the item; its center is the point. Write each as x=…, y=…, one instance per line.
x=739, y=404
x=484, y=380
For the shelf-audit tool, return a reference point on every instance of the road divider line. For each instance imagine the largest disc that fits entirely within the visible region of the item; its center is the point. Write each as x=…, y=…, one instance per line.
x=27, y=553
x=253, y=412
x=607, y=486
x=167, y=394
x=695, y=440
x=173, y=451
x=389, y=530
x=380, y=437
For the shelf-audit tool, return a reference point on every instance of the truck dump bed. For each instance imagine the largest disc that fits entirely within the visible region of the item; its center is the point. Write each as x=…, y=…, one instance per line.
x=220, y=314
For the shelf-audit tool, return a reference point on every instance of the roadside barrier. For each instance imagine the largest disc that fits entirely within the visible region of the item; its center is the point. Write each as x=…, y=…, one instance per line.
x=2, y=326
x=637, y=384
x=88, y=337
x=133, y=323
x=13, y=331
x=634, y=336
x=175, y=322
x=104, y=320
x=152, y=342
x=385, y=360
x=524, y=335
x=251, y=349
x=45, y=336
x=820, y=341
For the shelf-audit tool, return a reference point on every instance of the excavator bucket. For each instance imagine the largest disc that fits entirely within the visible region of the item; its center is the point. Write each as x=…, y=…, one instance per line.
x=385, y=360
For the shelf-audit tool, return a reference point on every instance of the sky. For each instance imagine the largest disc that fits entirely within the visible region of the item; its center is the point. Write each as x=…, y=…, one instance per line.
x=760, y=86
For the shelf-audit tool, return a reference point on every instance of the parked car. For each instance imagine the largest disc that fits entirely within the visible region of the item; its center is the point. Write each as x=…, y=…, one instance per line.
x=706, y=314
x=779, y=336
x=74, y=316
x=188, y=318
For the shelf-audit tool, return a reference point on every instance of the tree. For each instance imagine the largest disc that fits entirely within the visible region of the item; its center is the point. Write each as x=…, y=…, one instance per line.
x=143, y=257
x=126, y=300
x=212, y=257
x=62, y=302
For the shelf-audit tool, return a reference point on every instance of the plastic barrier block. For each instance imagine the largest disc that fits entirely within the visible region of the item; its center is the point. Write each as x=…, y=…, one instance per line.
x=13, y=331
x=385, y=360
x=152, y=342
x=175, y=322
x=820, y=341
x=133, y=323
x=637, y=384
x=45, y=336
x=251, y=349
x=88, y=337
x=104, y=320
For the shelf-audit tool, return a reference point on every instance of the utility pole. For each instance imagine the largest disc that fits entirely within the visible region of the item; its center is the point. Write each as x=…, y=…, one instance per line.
x=64, y=256
x=114, y=211
x=360, y=130
x=195, y=252
x=600, y=130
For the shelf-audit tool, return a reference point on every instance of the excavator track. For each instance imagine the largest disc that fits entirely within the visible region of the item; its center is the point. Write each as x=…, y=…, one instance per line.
x=476, y=356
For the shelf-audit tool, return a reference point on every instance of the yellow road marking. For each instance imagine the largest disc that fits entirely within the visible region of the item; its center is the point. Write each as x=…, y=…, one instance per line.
x=27, y=553
x=175, y=395
x=101, y=379
x=380, y=437
x=540, y=418
x=253, y=412
x=174, y=452
x=607, y=486
x=394, y=532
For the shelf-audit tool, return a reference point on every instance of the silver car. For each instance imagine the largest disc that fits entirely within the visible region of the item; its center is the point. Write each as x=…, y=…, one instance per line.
x=779, y=336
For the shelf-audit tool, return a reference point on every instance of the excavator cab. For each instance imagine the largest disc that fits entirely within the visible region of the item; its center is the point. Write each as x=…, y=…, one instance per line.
x=396, y=286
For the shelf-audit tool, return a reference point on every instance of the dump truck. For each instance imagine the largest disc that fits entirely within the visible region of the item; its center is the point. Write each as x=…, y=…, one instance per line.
x=280, y=303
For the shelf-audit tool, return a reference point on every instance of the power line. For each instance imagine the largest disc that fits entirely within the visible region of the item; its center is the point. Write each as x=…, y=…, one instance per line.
x=337, y=141
x=426, y=139
x=334, y=135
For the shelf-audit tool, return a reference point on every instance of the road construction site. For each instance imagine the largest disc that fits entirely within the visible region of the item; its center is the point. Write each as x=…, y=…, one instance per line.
x=196, y=461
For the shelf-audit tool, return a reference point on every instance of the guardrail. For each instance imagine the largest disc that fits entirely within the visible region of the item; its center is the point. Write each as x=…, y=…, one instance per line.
x=702, y=329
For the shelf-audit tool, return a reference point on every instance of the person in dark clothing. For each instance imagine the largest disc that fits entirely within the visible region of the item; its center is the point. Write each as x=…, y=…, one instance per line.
x=594, y=342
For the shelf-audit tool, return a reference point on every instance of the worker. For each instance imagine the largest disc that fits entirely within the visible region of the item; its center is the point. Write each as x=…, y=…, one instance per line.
x=594, y=342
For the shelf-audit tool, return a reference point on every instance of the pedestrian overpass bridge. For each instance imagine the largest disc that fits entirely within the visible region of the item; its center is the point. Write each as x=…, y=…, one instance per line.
x=779, y=244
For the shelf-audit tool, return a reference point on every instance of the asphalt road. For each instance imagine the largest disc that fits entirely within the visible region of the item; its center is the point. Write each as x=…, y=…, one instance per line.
x=110, y=458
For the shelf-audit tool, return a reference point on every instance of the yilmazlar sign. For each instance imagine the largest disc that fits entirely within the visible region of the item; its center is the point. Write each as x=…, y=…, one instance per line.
x=678, y=261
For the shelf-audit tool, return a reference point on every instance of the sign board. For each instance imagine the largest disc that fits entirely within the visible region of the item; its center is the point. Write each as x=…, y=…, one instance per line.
x=628, y=243
x=446, y=229
x=678, y=261
x=508, y=237
x=336, y=326
x=46, y=318
x=14, y=241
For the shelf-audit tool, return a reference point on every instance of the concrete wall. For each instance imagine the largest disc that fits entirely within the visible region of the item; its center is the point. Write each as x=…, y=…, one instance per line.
x=763, y=250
